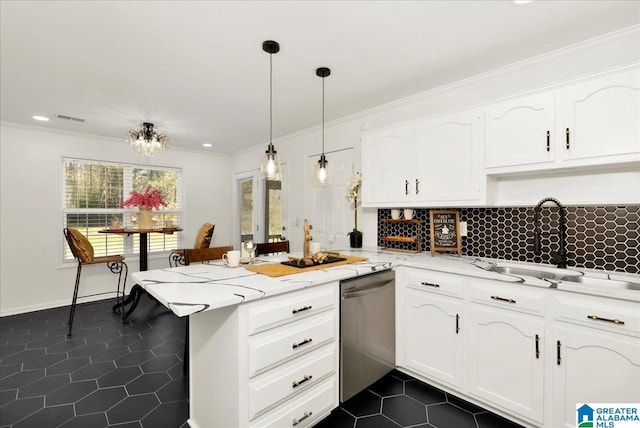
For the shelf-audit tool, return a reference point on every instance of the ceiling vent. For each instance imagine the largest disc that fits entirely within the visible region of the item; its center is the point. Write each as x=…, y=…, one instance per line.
x=75, y=119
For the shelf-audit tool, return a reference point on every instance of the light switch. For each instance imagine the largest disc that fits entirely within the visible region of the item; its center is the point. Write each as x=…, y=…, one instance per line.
x=463, y=228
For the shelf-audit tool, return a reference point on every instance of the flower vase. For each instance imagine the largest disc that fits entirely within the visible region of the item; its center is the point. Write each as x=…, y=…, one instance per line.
x=144, y=218
x=355, y=238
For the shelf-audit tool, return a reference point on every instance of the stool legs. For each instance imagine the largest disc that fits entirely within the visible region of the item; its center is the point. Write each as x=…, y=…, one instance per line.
x=75, y=297
x=114, y=267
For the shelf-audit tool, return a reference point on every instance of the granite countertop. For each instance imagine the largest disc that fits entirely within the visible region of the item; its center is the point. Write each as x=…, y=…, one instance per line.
x=199, y=287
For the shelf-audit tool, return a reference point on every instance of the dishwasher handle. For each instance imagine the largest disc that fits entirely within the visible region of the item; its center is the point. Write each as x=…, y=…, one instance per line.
x=364, y=291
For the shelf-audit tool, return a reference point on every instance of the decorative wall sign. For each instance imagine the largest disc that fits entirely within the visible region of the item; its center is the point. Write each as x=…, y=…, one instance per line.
x=445, y=231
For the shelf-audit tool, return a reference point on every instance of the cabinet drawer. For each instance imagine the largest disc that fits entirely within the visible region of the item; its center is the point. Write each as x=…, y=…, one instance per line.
x=436, y=282
x=516, y=297
x=289, y=341
x=305, y=410
x=620, y=316
x=292, y=378
x=268, y=314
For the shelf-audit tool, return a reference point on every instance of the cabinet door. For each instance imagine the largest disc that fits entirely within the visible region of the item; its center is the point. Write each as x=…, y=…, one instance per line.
x=446, y=162
x=593, y=367
x=602, y=117
x=386, y=160
x=520, y=131
x=506, y=363
x=433, y=341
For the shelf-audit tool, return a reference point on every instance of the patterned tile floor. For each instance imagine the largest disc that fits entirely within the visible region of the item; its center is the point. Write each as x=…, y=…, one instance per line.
x=130, y=376
x=107, y=374
x=399, y=400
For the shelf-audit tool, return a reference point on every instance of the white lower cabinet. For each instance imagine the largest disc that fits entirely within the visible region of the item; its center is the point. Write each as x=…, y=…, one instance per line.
x=506, y=361
x=429, y=313
x=592, y=367
x=528, y=353
x=268, y=363
x=433, y=342
x=595, y=353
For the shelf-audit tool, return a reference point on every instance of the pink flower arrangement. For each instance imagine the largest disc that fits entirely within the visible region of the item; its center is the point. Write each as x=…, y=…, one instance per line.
x=150, y=198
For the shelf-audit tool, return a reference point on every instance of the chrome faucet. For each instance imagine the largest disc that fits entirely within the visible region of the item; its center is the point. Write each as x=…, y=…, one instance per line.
x=561, y=256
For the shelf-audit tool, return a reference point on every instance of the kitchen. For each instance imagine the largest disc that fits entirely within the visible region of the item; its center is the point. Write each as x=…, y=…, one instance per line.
x=614, y=185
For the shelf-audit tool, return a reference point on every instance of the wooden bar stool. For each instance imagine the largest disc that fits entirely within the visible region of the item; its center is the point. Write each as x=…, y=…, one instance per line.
x=82, y=251
x=272, y=247
x=203, y=239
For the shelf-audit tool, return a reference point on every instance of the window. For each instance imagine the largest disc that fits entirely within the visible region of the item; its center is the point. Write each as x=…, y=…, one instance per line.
x=93, y=193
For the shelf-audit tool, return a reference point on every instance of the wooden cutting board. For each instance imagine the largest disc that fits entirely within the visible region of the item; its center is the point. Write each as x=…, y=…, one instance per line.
x=276, y=269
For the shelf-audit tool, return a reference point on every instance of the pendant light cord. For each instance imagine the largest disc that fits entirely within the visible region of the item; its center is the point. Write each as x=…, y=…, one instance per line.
x=323, y=115
x=270, y=99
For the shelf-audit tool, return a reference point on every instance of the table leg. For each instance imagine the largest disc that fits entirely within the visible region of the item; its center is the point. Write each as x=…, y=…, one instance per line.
x=136, y=291
x=143, y=251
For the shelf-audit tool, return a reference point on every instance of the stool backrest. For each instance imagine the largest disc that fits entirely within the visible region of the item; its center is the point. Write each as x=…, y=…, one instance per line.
x=204, y=254
x=203, y=238
x=272, y=247
x=80, y=246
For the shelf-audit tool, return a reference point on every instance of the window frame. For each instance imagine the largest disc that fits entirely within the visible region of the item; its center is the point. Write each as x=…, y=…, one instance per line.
x=159, y=243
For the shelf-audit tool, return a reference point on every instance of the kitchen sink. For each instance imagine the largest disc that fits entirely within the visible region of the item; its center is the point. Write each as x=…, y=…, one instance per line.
x=601, y=282
x=517, y=271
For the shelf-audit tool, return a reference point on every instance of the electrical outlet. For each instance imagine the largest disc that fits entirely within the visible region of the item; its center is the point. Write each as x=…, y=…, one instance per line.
x=463, y=228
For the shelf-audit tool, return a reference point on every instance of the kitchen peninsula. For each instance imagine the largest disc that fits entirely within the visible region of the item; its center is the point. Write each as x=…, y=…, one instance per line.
x=263, y=351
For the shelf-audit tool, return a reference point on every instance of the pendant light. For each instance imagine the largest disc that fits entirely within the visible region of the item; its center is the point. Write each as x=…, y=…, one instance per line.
x=322, y=172
x=270, y=166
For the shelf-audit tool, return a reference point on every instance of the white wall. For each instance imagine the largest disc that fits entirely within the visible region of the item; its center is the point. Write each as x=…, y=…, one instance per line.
x=31, y=242
x=616, y=50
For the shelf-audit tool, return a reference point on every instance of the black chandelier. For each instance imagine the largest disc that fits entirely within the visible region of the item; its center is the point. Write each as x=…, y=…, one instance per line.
x=147, y=140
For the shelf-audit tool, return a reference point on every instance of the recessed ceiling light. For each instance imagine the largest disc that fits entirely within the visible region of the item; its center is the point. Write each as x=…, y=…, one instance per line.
x=520, y=2
x=41, y=118
x=207, y=145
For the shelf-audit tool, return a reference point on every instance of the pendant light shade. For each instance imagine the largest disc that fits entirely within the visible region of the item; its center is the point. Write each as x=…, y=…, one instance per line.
x=270, y=168
x=322, y=171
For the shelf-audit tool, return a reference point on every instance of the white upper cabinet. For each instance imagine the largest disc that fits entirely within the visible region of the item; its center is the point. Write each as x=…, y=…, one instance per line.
x=430, y=162
x=600, y=117
x=520, y=131
x=446, y=161
x=593, y=122
x=386, y=160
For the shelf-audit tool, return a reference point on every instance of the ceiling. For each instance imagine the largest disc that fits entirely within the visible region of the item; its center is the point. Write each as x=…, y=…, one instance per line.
x=197, y=69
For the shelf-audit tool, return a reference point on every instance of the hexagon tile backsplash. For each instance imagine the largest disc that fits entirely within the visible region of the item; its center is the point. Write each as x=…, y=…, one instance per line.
x=598, y=237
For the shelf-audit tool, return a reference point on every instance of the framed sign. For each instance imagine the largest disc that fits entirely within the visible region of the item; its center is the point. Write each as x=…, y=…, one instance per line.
x=445, y=231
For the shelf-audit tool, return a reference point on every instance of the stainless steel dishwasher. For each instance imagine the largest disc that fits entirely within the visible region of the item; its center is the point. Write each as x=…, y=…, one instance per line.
x=367, y=331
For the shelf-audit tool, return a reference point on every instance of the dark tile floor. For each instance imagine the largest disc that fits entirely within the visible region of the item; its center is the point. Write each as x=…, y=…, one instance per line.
x=399, y=400
x=108, y=374
x=130, y=376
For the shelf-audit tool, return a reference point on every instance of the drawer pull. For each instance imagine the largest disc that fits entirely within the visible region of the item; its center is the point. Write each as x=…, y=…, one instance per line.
x=297, y=421
x=299, y=344
x=558, y=345
x=457, y=323
x=597, y=318
x=502, y=299
x=304, y=308
x=537, y=346
x=430, y=284
x=297, y=383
